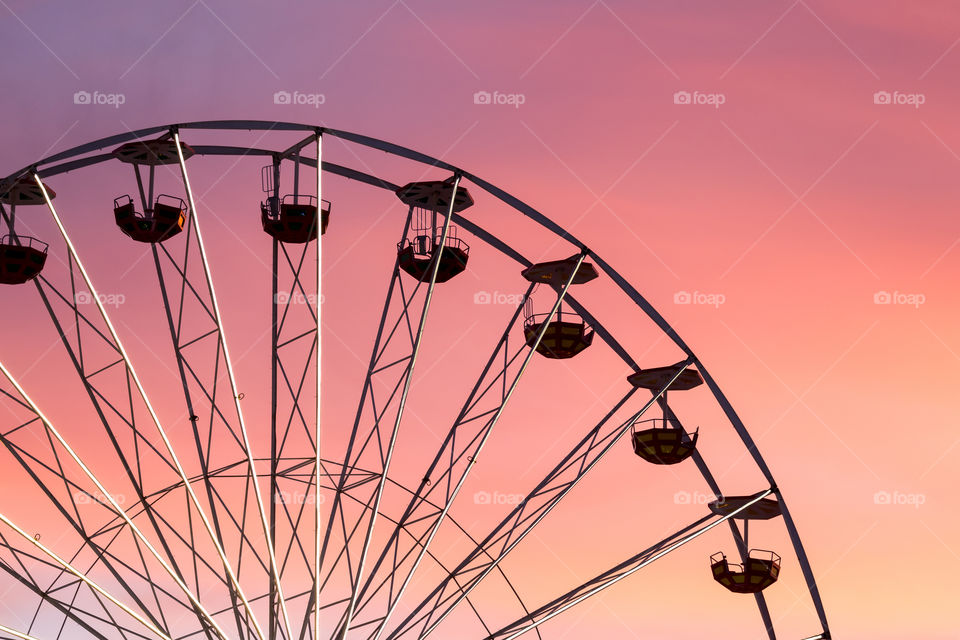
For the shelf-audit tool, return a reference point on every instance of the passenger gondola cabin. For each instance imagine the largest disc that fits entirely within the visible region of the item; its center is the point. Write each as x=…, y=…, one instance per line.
x=162, y=217
x=563, y=338
x=161, y=223
x=293, y=219
x=567, y=334
x=760, y=570
x=429, y=204
x=22, y=258
x=660, y=443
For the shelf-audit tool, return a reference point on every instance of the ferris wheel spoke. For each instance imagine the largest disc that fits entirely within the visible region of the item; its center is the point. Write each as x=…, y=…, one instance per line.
x=141, y=391
x=434, y=558
x=621, y=571
x=31, y=463
x=529, y=512
x=473, y=434
x=16, y=634
x=363, y=436
x=407, y=378
x=670, y=417
x=254, y=478
x=34, y=466
x=317, y=459
x=206, y=374
x=100, y=402
x=420, y=512
x=83, y=577
x=183, y=367
x=114, y=505
x=22, y=574
x=294, y=358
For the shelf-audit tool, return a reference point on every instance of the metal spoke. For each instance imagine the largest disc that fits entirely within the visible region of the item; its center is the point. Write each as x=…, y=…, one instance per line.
x=407, y=380
x=113, y=502
x=481, y=439
x=87, y=581
x=243, y=428
x=619, y=572
x=15, y=634
x=149, y=406
x=523, y=519
x=367, y=394
x=74, y=518
x=316, y=439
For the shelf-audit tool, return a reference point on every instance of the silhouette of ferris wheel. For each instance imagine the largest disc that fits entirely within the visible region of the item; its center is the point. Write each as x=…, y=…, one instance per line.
x=194, y=531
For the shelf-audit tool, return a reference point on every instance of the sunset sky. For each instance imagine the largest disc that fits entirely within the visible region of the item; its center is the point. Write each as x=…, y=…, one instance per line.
x=779, y=179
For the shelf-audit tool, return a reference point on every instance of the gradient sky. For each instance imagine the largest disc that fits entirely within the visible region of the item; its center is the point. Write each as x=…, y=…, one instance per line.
x=800, y=203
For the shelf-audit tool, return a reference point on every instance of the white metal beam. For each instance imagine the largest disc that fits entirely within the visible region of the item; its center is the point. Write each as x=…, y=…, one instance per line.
x=113, y=502
x=261, y=510
x=83, y=577
x=149, y=406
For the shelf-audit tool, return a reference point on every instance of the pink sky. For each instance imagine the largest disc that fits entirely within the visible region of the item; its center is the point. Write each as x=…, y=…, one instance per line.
x=795, y=202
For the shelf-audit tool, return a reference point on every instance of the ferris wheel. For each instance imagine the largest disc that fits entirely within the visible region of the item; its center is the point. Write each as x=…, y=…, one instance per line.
x=169, y=512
